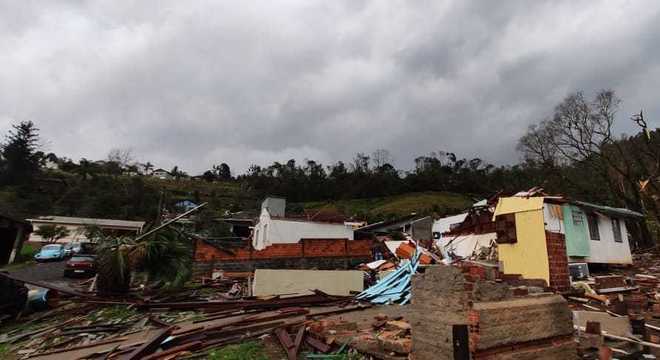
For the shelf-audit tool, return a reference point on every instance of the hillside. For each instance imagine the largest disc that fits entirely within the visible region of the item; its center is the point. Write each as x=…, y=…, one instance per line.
x=373, y=209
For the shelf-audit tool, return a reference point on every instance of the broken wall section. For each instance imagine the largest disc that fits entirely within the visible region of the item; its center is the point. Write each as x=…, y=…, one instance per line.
x=456, y=312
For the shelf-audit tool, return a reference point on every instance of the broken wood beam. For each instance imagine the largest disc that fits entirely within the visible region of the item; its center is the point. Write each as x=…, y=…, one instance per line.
x=287, y=343
x=298, y=341
x=189, y=346
x=150, y=345
x=317, y=344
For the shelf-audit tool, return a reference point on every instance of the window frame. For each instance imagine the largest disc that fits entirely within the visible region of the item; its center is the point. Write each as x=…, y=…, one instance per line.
x=592, y=222
x=616, y=230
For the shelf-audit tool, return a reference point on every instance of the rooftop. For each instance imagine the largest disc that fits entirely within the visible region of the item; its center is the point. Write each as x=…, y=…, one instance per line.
x=89, y=221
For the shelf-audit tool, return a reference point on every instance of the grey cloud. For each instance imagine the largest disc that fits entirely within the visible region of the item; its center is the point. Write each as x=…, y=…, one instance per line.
x=197, y=83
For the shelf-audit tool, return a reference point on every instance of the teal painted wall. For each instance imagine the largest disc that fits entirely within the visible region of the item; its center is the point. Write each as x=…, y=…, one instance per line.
x=577, y=235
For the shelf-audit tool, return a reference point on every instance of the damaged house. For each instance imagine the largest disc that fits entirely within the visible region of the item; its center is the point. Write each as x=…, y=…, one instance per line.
x=274, y=227
x=278, y=241
x=539, y=236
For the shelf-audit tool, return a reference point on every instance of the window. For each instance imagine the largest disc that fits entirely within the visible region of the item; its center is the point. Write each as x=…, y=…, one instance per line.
x=592, y=219
x=616, y=229
x=505, y=226
x=578, y=217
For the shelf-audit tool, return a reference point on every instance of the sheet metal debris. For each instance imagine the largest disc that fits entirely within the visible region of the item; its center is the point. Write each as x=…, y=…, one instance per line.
x=394, y=288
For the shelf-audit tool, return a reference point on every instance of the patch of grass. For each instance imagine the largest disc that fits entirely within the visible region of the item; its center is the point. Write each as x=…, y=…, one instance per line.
x=118, y=312
x=422, y=203
x=4, y=351
x=251, y=350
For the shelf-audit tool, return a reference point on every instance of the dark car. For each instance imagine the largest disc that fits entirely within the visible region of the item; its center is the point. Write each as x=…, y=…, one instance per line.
x=80, y=265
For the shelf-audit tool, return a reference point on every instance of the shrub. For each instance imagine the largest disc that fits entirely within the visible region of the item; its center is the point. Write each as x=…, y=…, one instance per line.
x=27, y=253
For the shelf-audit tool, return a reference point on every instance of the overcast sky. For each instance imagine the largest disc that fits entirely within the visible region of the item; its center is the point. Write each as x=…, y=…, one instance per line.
x=193, y=83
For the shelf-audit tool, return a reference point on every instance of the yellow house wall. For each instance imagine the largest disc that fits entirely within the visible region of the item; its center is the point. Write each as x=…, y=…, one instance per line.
x=529, y=256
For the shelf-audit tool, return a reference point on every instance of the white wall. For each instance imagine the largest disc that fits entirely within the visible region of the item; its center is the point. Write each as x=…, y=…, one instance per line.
x=444, y=225
x=607, y=250
x=281, y=231
x=76, y=234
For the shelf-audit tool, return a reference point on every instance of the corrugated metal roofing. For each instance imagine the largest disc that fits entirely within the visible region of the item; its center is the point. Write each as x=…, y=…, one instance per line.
x=610, y=210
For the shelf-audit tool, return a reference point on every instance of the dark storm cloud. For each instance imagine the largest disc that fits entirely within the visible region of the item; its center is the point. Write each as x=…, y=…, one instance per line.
x=198, y=83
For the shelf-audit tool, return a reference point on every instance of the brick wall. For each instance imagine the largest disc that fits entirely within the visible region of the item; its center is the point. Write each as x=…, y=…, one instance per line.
x=500, y=324
x=324, y=254
x=558, y=261
x=204, y=268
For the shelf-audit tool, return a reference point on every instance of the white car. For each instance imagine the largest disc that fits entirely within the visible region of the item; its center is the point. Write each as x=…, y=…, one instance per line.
x=72, y=249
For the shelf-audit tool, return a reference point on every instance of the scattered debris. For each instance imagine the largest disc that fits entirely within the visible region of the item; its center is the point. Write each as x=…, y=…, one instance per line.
x=395, y=286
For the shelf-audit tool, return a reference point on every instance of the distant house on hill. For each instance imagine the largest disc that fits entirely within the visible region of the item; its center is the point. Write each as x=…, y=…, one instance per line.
x=162, y=174
x=78, y=227
x=185, y=205
x=418, y=227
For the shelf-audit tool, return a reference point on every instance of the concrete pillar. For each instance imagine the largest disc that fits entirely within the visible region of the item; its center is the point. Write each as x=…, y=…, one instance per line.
x=18, y=244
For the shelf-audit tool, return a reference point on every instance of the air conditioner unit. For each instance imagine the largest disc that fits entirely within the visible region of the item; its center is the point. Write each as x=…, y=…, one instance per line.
x=578, y=271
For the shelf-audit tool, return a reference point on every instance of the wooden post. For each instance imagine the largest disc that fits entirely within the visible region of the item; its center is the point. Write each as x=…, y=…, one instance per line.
x=461, y=340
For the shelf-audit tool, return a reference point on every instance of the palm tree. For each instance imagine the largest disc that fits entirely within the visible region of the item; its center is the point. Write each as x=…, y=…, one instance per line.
x=165, y=255
x=148, y=167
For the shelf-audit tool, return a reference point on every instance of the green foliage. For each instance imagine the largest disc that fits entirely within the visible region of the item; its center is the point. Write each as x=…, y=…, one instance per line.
x=4, y=350
x=168, y=257
x=112, y=265
x=165, y=255
x=93, y=233
x=118, y=313
x=52, y=233
x=27, y=252
x=21, y=158
x=250, y=350
x=374, y=209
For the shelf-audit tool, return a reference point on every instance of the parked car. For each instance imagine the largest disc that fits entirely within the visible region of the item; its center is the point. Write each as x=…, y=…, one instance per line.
x=80, y=265
x=50, y=252
x=71, y=249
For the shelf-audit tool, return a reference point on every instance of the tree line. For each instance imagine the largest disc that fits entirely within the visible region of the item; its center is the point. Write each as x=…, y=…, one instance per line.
x=574, y=152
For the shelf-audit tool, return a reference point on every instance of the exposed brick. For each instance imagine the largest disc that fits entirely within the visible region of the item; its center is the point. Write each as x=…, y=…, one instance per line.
x=308, y=253
x=558, y=261
x=500, y=326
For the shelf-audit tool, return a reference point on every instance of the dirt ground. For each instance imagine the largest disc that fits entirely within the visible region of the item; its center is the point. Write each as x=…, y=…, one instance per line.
x=365, y=318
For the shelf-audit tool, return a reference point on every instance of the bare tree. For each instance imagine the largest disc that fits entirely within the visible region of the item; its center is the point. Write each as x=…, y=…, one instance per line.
x=381, y=157
x=361, y=163
x=580, y=131
x=123, y=157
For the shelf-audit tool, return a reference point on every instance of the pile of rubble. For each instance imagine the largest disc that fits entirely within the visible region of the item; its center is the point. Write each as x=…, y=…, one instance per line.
x=468, y=308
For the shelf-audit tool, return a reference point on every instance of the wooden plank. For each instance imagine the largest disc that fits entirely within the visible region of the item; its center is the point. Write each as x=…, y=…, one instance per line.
x=299, y=339
x=174, y=350
x=286, y=342
x=317, y=344
x=150, y=345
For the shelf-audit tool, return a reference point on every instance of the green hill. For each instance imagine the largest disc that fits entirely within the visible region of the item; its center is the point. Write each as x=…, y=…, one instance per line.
x=372, y=209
